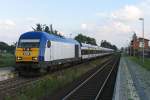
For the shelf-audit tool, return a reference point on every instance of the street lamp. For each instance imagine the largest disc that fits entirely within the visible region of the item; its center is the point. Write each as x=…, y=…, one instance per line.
x=129, y=47
x=143, y=45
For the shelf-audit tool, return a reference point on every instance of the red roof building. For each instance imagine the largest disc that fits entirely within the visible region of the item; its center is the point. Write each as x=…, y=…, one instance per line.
x=137, y=43
x=136, y=46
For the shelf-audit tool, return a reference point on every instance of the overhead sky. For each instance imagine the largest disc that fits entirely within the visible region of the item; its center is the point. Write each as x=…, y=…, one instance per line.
x=112, y=20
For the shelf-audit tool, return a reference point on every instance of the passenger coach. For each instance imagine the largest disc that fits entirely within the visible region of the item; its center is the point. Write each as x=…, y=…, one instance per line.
x=89, y=51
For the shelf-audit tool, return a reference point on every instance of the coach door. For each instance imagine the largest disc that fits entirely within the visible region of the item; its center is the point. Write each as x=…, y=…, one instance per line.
x=76, y=51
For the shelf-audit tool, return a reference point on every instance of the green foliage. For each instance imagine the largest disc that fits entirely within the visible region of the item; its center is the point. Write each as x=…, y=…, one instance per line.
x=3, y=46
x=9, y=48
x=46, y=28
x=50, y=84
x=51, y=28
x=139, y=60
x=106, y=44
x=85, y=39
x=38, y=27
x=7, y=59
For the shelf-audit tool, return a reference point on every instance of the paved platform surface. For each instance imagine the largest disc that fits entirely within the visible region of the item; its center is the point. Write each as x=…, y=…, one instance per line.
x=133, y=81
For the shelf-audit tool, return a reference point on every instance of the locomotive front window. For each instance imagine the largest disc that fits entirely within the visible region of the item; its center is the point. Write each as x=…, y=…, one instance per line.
x=29, y=43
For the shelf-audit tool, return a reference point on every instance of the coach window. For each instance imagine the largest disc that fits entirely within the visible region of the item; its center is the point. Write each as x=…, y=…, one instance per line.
x=48, y=44
x=82, y=52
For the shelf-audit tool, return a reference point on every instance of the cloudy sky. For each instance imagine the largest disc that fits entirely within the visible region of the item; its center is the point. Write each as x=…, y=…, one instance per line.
x=112, y=20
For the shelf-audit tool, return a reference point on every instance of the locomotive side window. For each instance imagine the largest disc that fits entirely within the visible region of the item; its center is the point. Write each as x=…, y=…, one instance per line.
x=48, y=44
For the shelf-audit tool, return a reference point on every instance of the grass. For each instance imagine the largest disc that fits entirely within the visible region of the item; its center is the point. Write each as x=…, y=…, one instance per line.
x=7, y=59
x=138, y=60
x=53, y=82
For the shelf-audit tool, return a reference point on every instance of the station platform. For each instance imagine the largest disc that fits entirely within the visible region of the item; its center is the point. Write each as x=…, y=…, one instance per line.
x=133, y=82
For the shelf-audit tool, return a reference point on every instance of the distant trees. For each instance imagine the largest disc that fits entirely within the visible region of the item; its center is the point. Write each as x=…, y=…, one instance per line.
x=106, y=44
x=45, y=28
x=8, y=48
x=12, y=48
x=3, y=46
x=85, y=39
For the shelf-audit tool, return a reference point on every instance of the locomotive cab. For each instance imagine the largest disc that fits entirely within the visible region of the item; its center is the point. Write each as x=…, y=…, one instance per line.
x=27, y=50
x=27, y=56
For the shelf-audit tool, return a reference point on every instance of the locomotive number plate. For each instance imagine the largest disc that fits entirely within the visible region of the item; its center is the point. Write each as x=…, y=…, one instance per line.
x=26, y=53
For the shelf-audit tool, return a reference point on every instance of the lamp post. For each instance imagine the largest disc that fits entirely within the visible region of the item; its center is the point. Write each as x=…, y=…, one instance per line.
x=129, y=47
x=143, y=44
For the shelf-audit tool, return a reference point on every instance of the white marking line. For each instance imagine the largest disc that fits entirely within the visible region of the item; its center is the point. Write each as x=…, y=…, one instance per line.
x=105, y=82
x=84, y=82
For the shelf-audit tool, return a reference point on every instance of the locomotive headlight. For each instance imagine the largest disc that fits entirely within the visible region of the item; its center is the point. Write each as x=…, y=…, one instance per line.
x=34, y=58
x=19, y=58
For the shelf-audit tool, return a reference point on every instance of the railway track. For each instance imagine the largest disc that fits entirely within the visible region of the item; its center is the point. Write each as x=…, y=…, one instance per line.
x=95, y=87
x=11, y=86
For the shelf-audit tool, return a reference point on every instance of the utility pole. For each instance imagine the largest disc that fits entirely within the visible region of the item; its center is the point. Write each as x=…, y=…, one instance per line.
x=143, y=44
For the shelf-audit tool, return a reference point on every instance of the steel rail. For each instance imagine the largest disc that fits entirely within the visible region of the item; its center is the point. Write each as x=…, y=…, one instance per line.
x=100, y=91
x=90, y=77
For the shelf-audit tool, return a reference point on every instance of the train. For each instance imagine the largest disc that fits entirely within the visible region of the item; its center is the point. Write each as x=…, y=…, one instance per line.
x=40, y=52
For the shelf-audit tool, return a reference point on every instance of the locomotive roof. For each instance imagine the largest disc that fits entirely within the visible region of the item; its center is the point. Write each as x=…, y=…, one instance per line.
x=39, y=35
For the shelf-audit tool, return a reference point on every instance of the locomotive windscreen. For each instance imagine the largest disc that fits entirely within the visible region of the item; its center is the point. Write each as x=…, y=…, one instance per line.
x=29, y=43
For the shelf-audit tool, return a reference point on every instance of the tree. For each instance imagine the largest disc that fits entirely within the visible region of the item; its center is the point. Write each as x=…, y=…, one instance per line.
x=51, y=29
x=114, y=47
x=46, y=29
x=12, y=48
x=39, y=27
x=3, y=46
x=134, y=37
x=8, y=48
x=55, y=32
x=85, y=39
x=106, y=44
x=80, y=38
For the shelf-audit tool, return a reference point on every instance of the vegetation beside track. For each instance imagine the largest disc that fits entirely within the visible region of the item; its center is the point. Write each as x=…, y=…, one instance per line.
x=53, y=82
x=7, y=59
x=138, y=60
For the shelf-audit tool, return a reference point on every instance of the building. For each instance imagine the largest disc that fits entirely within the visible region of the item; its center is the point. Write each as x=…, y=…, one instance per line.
x=136, y=46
